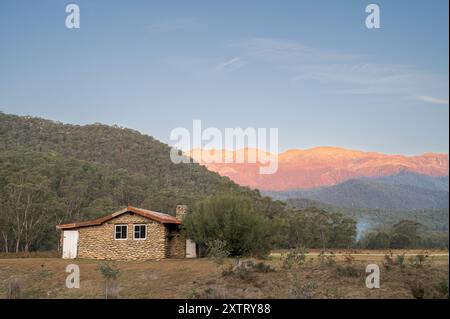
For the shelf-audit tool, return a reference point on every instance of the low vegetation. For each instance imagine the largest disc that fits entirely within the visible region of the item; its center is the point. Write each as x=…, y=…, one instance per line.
x=235, y=278
x=294, y=258
x=110, y=274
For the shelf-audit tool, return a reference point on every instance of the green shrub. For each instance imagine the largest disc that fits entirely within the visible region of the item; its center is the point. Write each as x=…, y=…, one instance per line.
x=215, y=293
x=401, y=261
x=349, y=259
x=295, y=257
x=217, y=249
x=419, y=260
x=327, y=259
x=235, y=220
x=243, y=270
x=388, y=261
x=244, y=274
x=14, y=290
x=110, y=275
x=302, y=290
x=262, y=267
x=417, y=289
x=348, y=271
x=442, y=289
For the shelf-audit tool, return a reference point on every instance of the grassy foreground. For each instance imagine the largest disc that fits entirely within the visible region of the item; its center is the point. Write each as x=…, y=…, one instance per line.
x=338, y=275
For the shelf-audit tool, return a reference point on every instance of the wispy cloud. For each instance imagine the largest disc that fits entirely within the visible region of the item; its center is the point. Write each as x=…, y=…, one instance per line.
x=433, y=100
x=283, y=51
x=341, y=72
x=230, y=65
x=334, y=72
x=360, y=78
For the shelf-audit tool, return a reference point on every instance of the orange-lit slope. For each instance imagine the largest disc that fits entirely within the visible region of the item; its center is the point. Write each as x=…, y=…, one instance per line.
x=323, y=166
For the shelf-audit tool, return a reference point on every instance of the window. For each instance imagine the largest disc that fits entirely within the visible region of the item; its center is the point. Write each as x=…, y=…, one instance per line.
x=121, y=232
x=140, y=232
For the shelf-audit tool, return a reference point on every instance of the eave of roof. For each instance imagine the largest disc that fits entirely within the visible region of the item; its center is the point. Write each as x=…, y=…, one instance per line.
x=156, y=216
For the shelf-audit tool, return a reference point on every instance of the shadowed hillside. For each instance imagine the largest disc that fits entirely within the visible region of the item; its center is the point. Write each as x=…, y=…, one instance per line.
x=368, y=194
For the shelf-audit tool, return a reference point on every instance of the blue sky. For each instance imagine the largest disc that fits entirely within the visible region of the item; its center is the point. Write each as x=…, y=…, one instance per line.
x=310, y=68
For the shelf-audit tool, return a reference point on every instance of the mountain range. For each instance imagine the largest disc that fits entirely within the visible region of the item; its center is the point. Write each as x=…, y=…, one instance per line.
x=323, y=166
x=111, y=166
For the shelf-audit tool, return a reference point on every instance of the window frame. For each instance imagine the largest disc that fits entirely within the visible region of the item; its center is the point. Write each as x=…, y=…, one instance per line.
x=134, y=232
x=115, y=231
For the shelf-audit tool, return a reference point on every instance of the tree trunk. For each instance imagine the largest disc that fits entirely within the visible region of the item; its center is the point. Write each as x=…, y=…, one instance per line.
x=17, y=245
x=5, y=240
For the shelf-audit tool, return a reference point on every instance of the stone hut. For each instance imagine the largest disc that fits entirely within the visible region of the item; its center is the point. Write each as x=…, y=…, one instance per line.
x=129, y=234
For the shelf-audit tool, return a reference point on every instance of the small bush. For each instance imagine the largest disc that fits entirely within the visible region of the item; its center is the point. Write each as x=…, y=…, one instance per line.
x=347, y=271
x=217, y=249
x=14, y=290
x=349, y=259
x=417, y=289
x=215, y=293
x=227, y=271
x=388, y=261
x=419, y=260
x=247, y=264
x=401, y=261
x=241, y=270
x=296, y=257
x=327, y=259
x=244, y=274
x=301, y=290
x=262, y=267
x=193, y=294
x=110, y=275
x=210, y=293
x=442, y=289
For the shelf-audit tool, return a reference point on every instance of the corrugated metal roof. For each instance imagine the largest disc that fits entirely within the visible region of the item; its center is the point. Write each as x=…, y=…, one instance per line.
x=156, y=216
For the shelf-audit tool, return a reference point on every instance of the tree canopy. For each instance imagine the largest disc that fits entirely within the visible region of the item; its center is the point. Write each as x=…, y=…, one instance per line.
x=234, y=220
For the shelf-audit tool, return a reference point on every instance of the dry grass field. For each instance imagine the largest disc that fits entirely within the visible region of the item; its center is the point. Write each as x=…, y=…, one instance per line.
x=339, y=275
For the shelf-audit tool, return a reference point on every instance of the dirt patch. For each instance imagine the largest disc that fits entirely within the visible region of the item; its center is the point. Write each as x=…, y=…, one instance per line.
x=202, y=278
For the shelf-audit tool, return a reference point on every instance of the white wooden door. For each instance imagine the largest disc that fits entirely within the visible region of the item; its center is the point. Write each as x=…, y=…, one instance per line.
x=70, y=244
x=191, y=249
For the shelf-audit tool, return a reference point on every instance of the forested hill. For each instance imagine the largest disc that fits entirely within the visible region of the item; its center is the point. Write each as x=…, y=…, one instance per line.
x=124, y=149
x=53, y=173
x=110, y=145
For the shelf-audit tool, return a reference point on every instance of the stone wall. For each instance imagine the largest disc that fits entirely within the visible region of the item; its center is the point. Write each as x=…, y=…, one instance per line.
x=177, y=244
x=97, y=242
x=181, y=211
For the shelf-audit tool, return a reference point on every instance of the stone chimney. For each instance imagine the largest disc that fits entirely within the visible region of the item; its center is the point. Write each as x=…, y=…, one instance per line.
x=181, y=211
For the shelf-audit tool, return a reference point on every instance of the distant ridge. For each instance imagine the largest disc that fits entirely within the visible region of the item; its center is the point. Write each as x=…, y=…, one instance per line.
x=326, y=166
x=369, y=194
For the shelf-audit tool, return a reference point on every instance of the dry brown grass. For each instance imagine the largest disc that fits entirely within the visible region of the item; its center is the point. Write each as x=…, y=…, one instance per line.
x=202, y=278
x=33, y=254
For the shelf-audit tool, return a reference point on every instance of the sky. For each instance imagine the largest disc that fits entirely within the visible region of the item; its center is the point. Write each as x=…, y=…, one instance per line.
x=310, y=68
